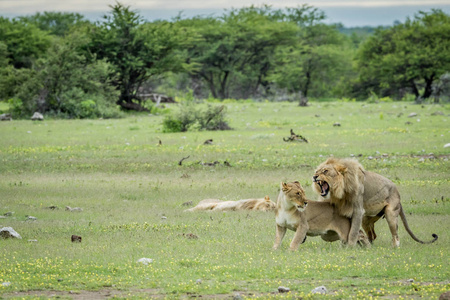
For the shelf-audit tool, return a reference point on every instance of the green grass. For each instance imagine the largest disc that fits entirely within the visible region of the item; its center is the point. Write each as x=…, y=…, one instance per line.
x=125, y=183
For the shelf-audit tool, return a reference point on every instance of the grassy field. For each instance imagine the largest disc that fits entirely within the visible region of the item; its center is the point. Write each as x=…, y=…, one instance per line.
x=131, y=191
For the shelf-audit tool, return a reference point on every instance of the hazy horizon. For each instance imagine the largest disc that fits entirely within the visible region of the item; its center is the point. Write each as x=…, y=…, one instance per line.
x=351, y=13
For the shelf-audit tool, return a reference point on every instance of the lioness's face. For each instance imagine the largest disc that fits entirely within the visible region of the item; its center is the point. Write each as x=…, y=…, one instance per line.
x=266, y=205
x=295, y=194
x=324, y=178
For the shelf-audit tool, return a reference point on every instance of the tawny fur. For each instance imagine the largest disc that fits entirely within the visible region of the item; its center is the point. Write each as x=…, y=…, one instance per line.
x=261, y=204
x=362, y=196
x=309, y=218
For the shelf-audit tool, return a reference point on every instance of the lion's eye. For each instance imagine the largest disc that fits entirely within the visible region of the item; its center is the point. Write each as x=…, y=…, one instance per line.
x=325, y=171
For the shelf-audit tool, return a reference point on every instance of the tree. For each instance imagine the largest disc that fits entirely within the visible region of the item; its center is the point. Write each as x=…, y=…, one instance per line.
x=56, y=23
x=137, y=51
x=235, y=52
x=24, y=42
x=318, y=60
x=409, y=56
x=65, y=83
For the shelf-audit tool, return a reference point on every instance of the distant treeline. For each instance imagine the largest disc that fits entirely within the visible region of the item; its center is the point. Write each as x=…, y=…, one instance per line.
x=63, y=64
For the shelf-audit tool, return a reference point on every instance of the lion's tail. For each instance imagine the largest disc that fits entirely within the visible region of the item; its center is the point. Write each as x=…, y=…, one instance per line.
x=405, y=223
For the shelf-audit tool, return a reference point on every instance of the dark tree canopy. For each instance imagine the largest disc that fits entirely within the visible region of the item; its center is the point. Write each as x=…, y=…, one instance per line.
x=409, y=56
x=136, y=50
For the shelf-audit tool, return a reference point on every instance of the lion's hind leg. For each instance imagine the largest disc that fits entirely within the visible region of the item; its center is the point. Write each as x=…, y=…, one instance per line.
x=392, y=219
x=368, y=224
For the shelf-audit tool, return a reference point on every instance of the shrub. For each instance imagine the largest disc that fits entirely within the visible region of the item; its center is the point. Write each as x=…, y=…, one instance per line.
x=15, y=106
x=191, y=117
x=171, y=125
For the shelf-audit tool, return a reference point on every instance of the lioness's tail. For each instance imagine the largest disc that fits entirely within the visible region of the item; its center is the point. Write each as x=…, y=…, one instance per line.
x=405, y=223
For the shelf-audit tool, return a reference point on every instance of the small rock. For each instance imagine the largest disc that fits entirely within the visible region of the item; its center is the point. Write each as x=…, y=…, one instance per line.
x=32, y=241
x=164, y=218
x=53, y=207
x=60, y=279
x=421, y=159
x=370, y=157
x=445, y=296
x=410, y=280
x=31, y=218
x=5, y=117
x=6, y=283
x=337, y=124
x=408, y=123
x=8, y=214
x=198, y=281
x=237, y=296
x=190, y=236
x=447, y=145
x=437, y=113
x=413, y=114
x=145, y=261
x=319, y=290
x=188, y=203
x=75, y=209
x=76, y=238
x=283, y=289
x=9, y=232
x=37, y=117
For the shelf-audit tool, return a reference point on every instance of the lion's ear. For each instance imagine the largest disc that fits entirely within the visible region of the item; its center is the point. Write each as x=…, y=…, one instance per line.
x=267, y=198
x=341, y=168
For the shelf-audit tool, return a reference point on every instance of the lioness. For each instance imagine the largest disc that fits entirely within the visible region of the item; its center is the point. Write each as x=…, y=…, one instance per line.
x=262, y=204
x=362, y=196
x=306, y=217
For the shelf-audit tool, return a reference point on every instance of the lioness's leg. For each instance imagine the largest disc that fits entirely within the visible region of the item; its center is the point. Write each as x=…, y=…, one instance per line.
x=392, y=219
x=363, y=241
x=279, y=235
x=368, y=224
x=299, y=237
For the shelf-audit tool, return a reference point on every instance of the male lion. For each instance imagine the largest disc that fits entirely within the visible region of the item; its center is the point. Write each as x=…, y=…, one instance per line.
x=362, y=196
x=307, y=217
x=262, y=204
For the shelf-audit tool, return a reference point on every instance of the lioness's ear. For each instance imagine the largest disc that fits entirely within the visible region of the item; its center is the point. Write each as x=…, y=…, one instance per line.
x=267, y=198
x=341, y=168
x=284, y=186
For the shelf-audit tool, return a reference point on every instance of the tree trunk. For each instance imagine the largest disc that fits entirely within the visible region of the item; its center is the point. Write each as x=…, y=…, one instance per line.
x=414, y=89
x=428, y=84
x=308, y=79
x=223, y=86
x=210, y=81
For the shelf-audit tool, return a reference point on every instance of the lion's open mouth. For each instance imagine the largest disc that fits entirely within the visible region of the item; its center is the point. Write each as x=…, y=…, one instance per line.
x=324, y=187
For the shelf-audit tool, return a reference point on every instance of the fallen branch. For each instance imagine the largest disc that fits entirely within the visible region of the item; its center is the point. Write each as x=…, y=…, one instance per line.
x=295, y=137
x=181, y=161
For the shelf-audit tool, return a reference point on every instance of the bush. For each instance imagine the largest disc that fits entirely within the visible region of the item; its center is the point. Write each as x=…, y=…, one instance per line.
x=192, y=118
x=171, y=125
x=80, y=105
x=15, y=106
